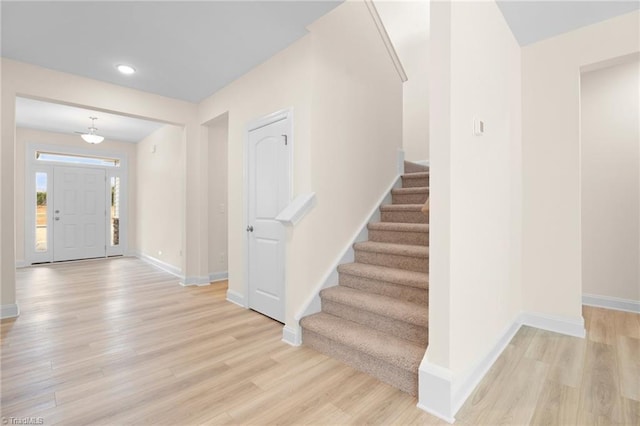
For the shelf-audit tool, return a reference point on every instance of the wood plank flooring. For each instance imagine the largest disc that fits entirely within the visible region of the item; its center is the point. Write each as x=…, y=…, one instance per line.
x=119, y=342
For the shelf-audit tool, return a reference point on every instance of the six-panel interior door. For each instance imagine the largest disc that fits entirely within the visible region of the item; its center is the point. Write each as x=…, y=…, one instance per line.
x=268, y=174
x=79, y=226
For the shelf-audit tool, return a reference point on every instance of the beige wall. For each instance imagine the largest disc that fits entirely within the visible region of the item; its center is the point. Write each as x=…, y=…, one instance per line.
x=287, y=75
x=346, y=97
x=552, y=264
x=65, y=141
x=32, y=81
x=407, y=23
x=610, y=173
x=160, y=195
x=218, y=147
x=474, y=279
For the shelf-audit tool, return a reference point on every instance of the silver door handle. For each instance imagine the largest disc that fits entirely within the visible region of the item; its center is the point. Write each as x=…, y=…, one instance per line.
x=249, y=228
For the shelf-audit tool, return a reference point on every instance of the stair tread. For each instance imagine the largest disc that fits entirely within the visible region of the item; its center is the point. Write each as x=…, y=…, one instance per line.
x=396, y=351
x=414, y=190
x=396, y=309
x=383, y=273
x=416, y=175
x=395, y=249
x=401, y=207
x=399, y=227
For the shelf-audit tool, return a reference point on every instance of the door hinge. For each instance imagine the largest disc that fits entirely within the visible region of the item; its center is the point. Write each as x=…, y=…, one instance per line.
x=285, y=139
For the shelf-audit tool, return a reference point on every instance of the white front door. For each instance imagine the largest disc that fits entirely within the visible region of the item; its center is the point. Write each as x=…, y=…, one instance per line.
x=269, y=193
x=79, y=210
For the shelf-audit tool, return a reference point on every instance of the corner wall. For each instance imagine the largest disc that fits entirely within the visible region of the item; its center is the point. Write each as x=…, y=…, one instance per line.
x=160, y=188
x=218, y=139
x=475, y=277
x=552, y=265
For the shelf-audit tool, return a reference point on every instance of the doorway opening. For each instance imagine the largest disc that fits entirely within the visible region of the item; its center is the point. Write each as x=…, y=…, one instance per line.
x=610, y=182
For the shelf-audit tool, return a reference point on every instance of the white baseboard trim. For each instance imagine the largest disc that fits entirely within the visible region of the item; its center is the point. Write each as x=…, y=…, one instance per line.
x=569, y=326
x=167, y=267
x=435, y=390
x=21, y=264
x=608, y=302
x=218, y=276
x=173, y=270
x=10, y=310
x=237, y=298
x=189, y=281
x=312, y=304
x=292, y=335
x=441, y=393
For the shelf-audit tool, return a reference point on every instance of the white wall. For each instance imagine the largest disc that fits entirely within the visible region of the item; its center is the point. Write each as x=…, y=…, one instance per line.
x=26, y=136
x=160, y=195
x=483, y=187
x=347, y=101
x=407, y=23
x=218, y=242
x=610, y=173
x=474, y=286
x=552, y=263
x=279, y=83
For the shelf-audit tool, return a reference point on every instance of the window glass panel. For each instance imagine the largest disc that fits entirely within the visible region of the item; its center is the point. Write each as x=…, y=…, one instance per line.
x=41, y=212
x=115, y=211
x=77, y=159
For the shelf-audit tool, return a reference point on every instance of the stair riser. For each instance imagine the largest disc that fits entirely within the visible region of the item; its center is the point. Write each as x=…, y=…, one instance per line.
x=397, y=237
x=404, y=380
x=404, y=330
x=418, y=264
x=404, y=217
x=415, y=183
x=409, y=198
x=383, y=288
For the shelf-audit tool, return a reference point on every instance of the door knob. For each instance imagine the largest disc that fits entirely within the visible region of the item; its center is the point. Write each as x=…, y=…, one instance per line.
x=249, y=228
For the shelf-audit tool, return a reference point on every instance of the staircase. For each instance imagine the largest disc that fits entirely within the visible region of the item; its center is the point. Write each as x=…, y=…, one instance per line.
x=376, y=319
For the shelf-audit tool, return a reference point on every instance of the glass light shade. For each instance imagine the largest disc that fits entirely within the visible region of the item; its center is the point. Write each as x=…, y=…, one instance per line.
x=126, y=69
x=92, y=138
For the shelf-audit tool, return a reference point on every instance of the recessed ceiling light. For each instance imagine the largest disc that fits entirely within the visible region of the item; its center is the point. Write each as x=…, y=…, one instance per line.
x=126, y=69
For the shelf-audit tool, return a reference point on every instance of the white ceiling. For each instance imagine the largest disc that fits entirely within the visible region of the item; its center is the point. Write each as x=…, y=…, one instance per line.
x=532, y=21
x=185, y=50
x=58, y=118
x=189, y=50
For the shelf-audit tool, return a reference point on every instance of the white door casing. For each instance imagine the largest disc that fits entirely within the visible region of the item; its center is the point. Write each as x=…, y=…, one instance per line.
x=79, y=213
x=269, y=192
x=34, y=165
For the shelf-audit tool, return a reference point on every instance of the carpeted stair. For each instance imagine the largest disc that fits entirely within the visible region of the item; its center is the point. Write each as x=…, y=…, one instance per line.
x=376, y=319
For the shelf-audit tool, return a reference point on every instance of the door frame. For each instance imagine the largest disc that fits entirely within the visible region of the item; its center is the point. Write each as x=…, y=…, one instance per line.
x=283, y=114
x=32, y=165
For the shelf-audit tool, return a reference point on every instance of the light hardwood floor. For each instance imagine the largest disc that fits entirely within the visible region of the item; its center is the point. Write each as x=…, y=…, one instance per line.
x=118, y=342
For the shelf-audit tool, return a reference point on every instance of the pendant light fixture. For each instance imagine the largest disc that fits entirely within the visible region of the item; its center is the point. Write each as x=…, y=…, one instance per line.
x=92, y=137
